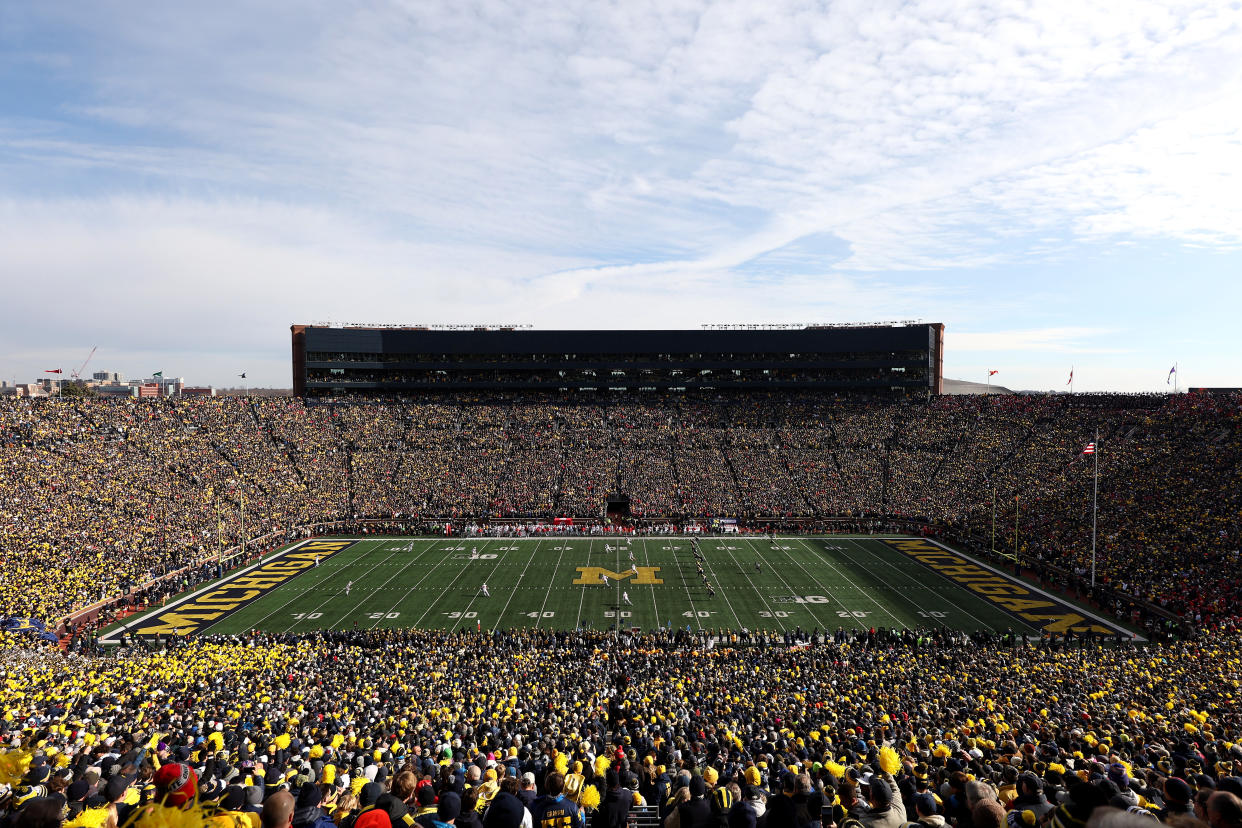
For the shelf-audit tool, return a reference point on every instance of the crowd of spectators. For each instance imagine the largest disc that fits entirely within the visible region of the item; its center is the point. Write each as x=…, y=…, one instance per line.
x=847, y=730
x=98, y=496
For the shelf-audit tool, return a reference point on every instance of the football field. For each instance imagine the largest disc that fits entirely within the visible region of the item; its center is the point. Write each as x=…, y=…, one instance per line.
x=645, y=582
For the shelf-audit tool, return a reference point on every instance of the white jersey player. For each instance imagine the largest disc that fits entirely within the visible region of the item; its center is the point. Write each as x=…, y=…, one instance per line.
x=625, y=599
x=348, y=586
x=486, y=594
x=474, y=553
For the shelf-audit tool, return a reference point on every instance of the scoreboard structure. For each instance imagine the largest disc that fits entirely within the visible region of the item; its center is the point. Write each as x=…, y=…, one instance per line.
x=896, y=359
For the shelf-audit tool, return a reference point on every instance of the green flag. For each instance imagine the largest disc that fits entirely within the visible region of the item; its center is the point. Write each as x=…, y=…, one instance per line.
x=159, y=374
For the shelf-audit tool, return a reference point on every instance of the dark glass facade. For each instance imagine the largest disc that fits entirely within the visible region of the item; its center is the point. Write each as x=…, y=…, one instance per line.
x=899, y=359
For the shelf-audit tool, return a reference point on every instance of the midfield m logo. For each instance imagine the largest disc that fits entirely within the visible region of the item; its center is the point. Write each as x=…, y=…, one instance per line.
x=595, y=575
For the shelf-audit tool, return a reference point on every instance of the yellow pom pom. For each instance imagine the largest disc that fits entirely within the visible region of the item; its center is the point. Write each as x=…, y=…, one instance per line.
x=590, y=797
x=561, y=763
x=282, y=741
x=13, y=766
x=158, y=816
x=90, y=818
x=601, y=765
x=889, y=762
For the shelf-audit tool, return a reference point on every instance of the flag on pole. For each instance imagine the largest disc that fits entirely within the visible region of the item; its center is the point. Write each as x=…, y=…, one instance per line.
x=993, y=371
x=1071, y=379
x=1169, y=378
x=53, y=371
x=159, y=374
x=1090, y=449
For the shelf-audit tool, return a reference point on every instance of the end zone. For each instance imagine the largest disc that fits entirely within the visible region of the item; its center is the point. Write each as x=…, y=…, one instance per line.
x=194, y=612
x=1031, y=605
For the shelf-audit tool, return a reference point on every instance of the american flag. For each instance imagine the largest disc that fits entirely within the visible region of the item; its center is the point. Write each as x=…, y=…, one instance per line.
x=1090, y=449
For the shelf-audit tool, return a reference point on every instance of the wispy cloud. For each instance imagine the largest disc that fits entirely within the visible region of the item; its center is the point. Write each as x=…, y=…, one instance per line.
x=873, y=160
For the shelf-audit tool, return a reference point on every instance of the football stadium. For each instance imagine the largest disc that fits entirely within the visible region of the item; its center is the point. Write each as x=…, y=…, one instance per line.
x=715, y=577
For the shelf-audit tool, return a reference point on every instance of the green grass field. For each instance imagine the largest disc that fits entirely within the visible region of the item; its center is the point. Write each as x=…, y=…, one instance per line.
x=823, y=583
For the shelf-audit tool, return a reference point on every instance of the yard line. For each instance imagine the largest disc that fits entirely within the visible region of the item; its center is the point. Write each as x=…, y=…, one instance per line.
x=426, y=575
x=723, y=591
x=647, y=562
x=475, y=596
x=771, y=612
x=548, y=591
x=827, y=592
x=683, y=583
x=866, y=547
x=582, y=594
x=514, y=590
x=336, y=594
x=300, y=594
x=430, y=604
x=789, y=586
x=409, y=547
x=854, y=585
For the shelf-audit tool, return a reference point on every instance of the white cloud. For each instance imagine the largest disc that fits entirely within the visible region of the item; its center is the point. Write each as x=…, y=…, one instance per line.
x=576, y=163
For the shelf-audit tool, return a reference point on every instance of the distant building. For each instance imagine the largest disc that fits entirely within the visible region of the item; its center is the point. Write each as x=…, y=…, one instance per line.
x=111, y=384
x=117, y=390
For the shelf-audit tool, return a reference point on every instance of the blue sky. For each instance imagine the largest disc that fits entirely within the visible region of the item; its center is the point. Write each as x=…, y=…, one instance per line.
x=1060, y=183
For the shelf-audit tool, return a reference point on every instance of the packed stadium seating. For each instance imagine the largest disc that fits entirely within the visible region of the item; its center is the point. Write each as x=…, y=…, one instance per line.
x=866, y=726
x=100, y=495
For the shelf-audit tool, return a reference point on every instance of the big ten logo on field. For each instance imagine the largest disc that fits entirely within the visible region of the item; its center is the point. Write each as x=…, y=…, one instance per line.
x=595, y=575
x=205, y=609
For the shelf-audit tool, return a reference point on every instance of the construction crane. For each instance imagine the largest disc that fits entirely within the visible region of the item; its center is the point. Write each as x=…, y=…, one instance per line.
x=78, y=373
